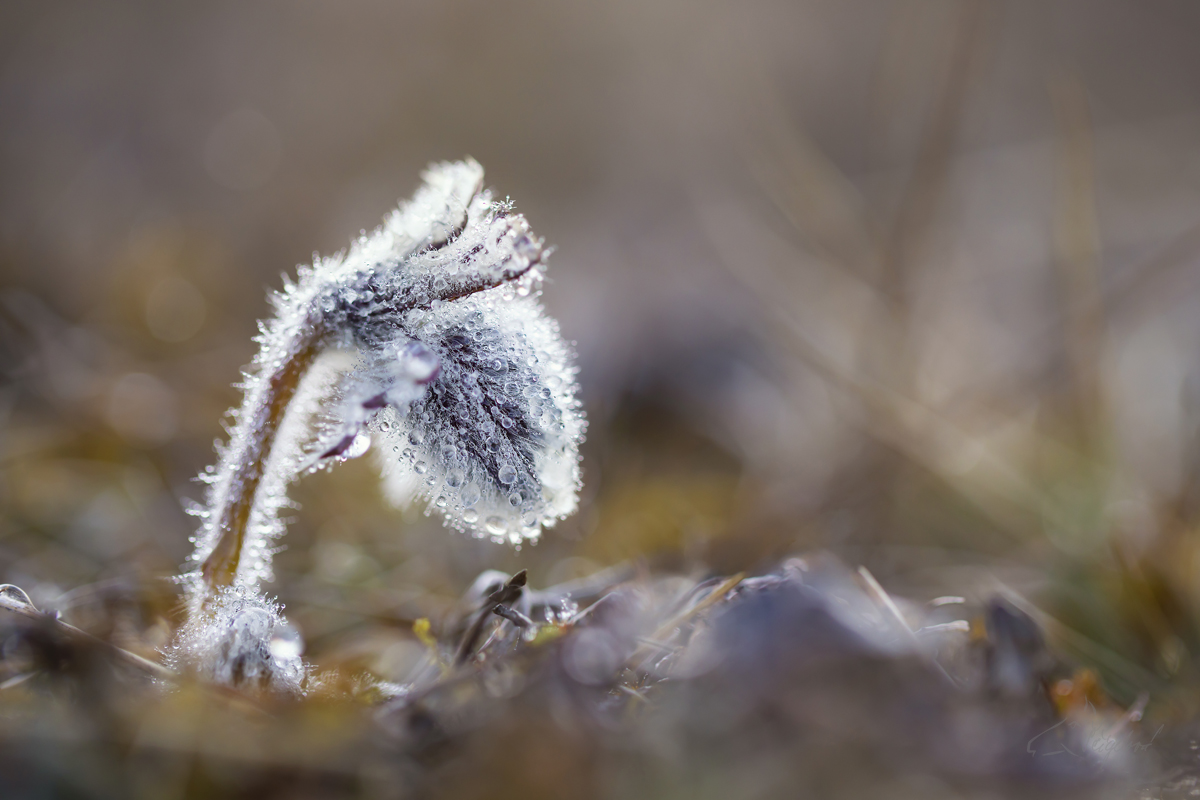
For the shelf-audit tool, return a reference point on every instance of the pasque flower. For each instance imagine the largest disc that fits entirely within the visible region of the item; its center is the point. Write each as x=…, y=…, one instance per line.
x=426, y=339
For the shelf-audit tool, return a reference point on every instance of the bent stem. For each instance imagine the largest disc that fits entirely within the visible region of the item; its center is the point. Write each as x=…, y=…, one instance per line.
x=254, y=441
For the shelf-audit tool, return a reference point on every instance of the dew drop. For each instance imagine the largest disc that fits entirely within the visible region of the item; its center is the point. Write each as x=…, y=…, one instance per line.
x=14, y=597
x=507, y=474
x=421, y=467
x=496, y=525
x=286, y=642
x=360, y=445
x=470, y=516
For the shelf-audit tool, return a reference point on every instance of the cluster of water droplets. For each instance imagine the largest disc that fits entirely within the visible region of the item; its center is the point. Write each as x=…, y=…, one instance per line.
x=493, y=444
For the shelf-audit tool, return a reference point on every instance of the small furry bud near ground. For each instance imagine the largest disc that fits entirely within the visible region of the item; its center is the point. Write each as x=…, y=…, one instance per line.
x=242, y=640
x=425, y=337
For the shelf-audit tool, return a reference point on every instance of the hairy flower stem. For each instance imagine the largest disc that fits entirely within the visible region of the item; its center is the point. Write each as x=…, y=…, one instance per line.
x=254, y=443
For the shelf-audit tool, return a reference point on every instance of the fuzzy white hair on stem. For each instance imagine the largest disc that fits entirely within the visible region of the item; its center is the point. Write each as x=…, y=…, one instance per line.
x=425, y=337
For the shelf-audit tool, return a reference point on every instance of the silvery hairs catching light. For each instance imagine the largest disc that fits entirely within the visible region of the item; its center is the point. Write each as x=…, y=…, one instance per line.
x=427, y=339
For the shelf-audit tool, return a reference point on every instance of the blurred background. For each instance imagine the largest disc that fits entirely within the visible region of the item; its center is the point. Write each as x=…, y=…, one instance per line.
x=912, y=282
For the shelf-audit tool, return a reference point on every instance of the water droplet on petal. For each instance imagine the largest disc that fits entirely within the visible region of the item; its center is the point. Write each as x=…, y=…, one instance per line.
x=360, y=445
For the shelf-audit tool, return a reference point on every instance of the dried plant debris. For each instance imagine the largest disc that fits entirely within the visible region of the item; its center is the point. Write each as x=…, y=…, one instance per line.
x=803, y=682
x=790, y=683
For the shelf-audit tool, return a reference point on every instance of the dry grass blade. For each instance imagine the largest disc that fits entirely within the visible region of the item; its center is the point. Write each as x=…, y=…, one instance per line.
x=16, y=601
x=504, y=595
x=662, y=636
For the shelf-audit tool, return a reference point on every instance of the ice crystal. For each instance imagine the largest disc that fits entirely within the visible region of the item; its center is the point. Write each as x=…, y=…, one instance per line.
x=427, y=337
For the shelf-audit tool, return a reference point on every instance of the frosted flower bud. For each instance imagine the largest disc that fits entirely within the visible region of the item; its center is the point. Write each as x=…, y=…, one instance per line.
x=510, y=457
x=424, y=336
